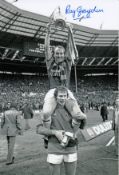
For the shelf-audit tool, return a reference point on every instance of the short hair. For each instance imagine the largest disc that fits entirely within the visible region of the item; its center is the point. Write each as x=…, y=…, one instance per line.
x=60, y=89
x=59, y=47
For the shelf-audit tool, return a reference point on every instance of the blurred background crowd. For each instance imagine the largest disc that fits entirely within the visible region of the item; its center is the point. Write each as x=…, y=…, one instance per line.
x=92, y=91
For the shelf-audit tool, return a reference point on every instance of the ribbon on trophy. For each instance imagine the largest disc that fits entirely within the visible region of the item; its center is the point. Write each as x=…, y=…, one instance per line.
x=71, y=50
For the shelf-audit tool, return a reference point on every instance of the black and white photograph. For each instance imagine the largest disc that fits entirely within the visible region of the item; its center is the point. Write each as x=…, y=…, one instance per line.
x=59, y=96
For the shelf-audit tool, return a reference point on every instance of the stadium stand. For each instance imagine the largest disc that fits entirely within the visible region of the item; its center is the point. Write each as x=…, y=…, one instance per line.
x=22, y=36
x=19, y=87
x=22, y=42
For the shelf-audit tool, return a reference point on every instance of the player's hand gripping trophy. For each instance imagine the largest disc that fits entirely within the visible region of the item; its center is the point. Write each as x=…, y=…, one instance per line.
x=58, y=22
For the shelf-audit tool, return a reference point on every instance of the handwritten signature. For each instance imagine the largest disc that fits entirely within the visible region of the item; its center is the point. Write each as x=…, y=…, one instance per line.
x=81, y=13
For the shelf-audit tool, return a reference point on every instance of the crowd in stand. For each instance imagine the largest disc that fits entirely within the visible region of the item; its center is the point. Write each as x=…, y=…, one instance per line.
x=92, y=91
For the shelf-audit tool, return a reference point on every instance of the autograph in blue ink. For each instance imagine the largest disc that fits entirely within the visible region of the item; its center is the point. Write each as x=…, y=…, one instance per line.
x=81, y=13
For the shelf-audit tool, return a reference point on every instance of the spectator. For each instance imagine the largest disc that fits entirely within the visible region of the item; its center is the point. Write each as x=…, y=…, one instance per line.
x=115, y=125
x=11, y=126
x=82, y=107
x=104, y=112
x=27, y=113
x=8, y=105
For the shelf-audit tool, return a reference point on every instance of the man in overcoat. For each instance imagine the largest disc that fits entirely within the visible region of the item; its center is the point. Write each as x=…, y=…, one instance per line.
x=11, y=126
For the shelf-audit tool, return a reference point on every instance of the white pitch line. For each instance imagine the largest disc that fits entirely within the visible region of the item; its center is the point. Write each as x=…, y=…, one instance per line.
x=110, y=142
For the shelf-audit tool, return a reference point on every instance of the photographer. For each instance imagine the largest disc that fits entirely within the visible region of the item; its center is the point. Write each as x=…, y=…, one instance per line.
x=62, y=146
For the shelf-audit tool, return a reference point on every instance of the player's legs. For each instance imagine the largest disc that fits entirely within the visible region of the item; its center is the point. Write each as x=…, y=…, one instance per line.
x=74, y=109
x=103, y=118
x=48, y=109
x=76, y=113
x=27, y=125
x=49, y=104
x=70, y=163
x=55, y=169
x=70, y=168
x=11, y=144
x=55, y=162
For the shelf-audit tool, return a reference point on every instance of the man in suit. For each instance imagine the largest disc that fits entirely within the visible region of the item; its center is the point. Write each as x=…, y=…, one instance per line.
x=11, y=126
x=115, y=124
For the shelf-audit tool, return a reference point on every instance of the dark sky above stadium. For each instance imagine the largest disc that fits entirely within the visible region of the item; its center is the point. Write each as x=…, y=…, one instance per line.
x=103, y=13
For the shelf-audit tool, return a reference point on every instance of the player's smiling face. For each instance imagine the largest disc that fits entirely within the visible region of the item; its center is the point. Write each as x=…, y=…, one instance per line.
x=59, y=55
x=61, y=98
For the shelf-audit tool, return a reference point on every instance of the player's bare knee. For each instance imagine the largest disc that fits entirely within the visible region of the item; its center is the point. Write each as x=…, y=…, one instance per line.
x=46, y=116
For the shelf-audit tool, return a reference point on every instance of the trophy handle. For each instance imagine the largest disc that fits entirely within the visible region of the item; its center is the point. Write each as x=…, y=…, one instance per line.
x=50, y=28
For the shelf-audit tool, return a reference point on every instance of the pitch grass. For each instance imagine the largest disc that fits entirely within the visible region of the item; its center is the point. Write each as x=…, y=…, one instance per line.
x=92, y=161
x=30, y=156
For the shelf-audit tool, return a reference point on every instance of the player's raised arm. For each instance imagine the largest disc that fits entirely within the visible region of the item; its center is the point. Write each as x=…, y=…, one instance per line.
x=48, y=54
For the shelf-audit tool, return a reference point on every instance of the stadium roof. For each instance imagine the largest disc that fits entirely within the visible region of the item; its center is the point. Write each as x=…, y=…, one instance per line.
x=20, y=22
x=17, y=24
